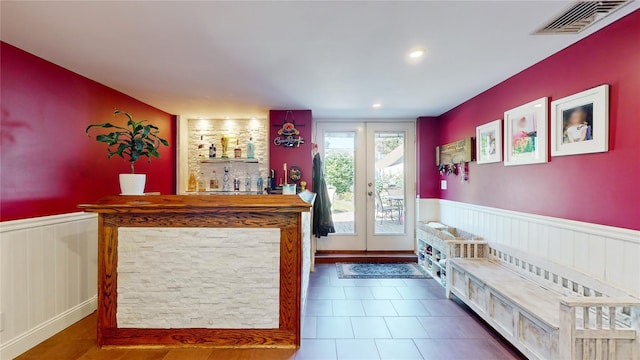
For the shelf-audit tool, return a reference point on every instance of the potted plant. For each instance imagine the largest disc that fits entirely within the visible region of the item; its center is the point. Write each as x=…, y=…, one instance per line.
x=132, y=142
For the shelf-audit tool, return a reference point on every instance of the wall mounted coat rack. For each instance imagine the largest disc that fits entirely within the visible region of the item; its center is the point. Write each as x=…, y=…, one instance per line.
x=455, y=152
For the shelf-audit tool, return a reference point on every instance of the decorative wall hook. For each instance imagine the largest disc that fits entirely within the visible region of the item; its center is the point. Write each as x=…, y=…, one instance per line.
x=451, y=169
x=463, y=171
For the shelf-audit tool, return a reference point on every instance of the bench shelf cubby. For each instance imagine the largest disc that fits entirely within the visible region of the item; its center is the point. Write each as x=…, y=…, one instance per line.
x=433, y=242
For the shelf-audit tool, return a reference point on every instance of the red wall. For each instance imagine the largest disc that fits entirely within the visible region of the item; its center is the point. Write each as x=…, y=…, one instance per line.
x=296, y=156
x=427, y=129
x=48, y=163
x=597, y=188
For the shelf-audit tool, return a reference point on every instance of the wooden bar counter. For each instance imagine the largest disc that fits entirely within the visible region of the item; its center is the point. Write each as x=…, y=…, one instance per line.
x=210, y=270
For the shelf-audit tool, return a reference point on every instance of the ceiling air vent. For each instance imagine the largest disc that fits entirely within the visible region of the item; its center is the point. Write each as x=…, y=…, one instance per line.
x=580, y=15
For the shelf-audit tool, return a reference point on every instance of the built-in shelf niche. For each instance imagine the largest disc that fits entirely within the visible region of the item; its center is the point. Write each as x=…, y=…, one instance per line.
x=199, y=134
x=228, y=160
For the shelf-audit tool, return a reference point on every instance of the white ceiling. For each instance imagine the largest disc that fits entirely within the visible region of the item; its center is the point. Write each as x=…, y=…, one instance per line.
x=240, y=59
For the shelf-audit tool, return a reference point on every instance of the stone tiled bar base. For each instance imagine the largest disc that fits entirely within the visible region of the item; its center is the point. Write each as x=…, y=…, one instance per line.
x=198, y=278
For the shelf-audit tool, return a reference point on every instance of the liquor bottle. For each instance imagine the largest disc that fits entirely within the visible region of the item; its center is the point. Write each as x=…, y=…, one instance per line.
x=212, y=151
x=272, y=180
x=247, y=183
x=260, y=184
x=201, y=147
x=201, y=183
x=226, y=186
x=213, y=182
x=237, y=152
x=193, y=183
x=251, y=149
x=236, y=183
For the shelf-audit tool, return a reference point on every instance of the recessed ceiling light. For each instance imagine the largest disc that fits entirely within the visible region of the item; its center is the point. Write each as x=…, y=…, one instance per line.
x=376, y=105
x=417, y=53
x=227, y=118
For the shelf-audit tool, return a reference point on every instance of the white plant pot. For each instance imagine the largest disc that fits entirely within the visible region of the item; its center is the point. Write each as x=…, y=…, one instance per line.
x=132, y=184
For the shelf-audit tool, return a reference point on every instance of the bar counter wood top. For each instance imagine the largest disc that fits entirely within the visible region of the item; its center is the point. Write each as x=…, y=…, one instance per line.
x=162, y=214
x=198, y=203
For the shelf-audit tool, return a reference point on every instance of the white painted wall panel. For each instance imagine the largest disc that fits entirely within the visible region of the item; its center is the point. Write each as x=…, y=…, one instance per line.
x=48, y=244
x=62, y=280
x=36, y=276
x=607, y=253
x=48, y=275
x=596, y=262
x=580, y=247
x=631, y=266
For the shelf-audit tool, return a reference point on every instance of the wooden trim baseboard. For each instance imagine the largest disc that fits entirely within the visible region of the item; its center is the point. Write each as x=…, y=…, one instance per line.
x=331, y=257
x=36, y=335
x=232, y=338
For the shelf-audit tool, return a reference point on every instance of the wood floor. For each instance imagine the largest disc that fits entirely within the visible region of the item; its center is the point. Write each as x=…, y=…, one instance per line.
x=78, y=342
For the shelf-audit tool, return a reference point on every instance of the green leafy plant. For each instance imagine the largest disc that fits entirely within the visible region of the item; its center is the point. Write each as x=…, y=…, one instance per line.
x=134, y=141
x=339, y=171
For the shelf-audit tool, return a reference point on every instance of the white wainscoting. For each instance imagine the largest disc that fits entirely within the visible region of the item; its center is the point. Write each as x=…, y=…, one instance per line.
x=48, y=274
x=607, y=253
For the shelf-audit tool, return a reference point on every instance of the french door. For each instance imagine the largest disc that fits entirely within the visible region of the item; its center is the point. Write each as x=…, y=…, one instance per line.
x=370, y=174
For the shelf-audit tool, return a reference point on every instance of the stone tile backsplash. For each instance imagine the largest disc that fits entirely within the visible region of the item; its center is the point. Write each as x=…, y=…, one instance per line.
x=198, y=278
x=211, y=131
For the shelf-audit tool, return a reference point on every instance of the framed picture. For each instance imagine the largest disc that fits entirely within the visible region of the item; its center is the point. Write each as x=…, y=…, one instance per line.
x=525, y=134
x=489, y=142
x=580, y=123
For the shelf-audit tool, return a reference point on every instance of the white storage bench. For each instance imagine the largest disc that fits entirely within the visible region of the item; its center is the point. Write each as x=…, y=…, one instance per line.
x=432, y=244
x=544, y=309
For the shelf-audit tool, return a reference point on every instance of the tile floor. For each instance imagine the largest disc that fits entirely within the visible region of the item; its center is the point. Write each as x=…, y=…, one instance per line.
x=345, y=319
x=392, y=319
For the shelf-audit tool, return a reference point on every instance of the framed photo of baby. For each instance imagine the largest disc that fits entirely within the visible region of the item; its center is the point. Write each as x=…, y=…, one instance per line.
x=580, y=123
x=525, y=134
x=489, y=142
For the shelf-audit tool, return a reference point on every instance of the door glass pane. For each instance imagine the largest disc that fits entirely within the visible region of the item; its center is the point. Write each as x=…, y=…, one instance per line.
x=389, y=186
x=339, y=163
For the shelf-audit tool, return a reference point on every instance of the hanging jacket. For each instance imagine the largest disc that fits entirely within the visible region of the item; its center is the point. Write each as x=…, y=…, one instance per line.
x=322, y=220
